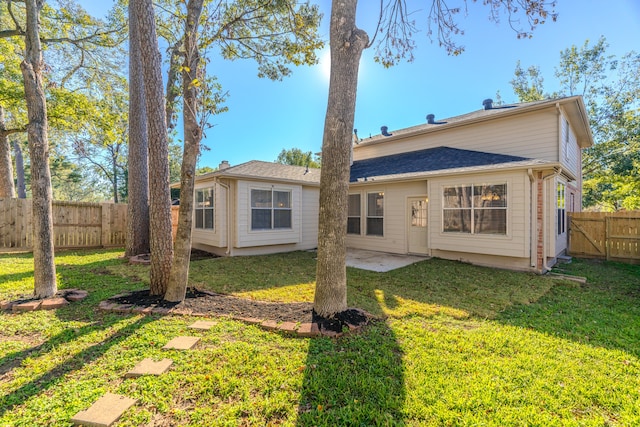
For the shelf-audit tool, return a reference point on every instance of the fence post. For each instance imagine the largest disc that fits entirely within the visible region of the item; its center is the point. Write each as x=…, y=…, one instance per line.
x=607, y=236
x=105, y=227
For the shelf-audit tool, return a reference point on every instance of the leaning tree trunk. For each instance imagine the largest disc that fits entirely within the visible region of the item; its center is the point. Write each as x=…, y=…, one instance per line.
x=347, y=44
x=192, y=136
x=159, y=194
x=7, y=189
x=31, y=66
x=20, y=184
x=138, y=166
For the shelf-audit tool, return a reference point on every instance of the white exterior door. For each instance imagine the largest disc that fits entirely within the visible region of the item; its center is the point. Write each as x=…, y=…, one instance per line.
x=417, y=221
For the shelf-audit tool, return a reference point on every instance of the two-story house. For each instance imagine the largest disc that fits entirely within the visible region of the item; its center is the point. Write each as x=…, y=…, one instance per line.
x=491, y=187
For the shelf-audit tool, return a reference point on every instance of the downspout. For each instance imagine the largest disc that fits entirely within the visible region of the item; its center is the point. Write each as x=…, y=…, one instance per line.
x=228, y=221
x=532, y=219
x=545, y=235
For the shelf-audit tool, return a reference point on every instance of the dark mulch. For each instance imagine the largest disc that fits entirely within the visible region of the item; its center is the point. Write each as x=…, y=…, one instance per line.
x=210, y=303
x=214, y=304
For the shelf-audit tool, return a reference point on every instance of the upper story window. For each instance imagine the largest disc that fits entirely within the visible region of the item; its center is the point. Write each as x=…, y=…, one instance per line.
x=270, y=209
x=375, y=214
x=354, y=214
x=204, y=208
x=475, y=209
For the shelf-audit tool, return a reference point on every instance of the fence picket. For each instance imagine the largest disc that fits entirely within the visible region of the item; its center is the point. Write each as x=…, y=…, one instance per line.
x=608, y=235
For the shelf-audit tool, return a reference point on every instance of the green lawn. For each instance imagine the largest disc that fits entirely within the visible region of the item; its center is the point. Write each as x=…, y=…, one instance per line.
x=460, y=345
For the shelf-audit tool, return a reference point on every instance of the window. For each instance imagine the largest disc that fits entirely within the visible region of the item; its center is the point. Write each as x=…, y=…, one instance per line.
x=375, y=214
x=204, y=208
x=560, y=227
x=475, y=209
x=353, y=215
x=270, y=209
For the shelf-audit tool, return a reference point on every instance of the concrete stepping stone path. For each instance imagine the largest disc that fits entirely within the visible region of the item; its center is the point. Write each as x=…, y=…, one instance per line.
x=203, y=325
x=181, y=343
x=149, y=366
x=105, y=411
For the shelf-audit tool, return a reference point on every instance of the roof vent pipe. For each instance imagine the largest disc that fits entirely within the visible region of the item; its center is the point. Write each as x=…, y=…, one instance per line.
x=384, y=129
x=431, y=119
x=224, y=165
x=488, y=104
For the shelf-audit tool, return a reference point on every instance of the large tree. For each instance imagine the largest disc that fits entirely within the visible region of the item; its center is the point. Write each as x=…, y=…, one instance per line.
x=272, y=33
x=32, y=69
x=159, y=194
x=611, y=90
x=138, y=164
x=192, y=75
x=347, y=43
x=297, y=157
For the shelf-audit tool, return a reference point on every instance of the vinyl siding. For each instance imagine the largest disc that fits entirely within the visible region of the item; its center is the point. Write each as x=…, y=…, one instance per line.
x=394, y=239
x=247, y=237
x=217, y=236
x=570, y=151
x=515, y=243
x=531, y=135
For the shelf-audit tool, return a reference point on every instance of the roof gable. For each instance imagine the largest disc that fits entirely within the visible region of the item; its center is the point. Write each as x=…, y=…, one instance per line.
x=428, y=160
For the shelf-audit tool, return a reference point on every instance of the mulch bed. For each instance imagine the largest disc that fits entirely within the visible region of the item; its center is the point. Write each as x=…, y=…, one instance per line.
x=207, y=303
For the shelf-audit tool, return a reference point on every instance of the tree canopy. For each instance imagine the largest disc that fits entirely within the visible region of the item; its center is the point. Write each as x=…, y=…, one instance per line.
x=297, y=157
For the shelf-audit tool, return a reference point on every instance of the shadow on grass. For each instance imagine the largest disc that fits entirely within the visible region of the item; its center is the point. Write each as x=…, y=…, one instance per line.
x=353, y=380
x=605, y=312
x=51, y=377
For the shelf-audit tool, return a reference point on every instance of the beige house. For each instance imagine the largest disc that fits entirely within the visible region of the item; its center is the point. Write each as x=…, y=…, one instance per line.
x=256, y=208
x=491, y=187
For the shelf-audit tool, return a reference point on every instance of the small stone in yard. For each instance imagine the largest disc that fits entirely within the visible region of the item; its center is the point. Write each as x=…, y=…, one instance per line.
x=76, y=295
x=269, y=324
x=203, y=325
x=181, y=343
x=149, y=367
x=105, y=411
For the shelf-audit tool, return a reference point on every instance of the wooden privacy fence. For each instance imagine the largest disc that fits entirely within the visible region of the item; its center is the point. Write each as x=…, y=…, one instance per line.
x=608, y=235
x=75, y=225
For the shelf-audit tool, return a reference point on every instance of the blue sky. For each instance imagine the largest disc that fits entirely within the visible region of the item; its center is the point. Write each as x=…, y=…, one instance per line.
x=264, y=116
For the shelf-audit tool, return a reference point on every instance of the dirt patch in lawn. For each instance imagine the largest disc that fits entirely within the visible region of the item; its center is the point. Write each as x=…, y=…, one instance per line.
x=206, y=303
x=214, y=304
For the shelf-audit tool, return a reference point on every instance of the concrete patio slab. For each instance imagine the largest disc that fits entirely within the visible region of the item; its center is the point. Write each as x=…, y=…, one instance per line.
x=379, y=261
x=149, y=366
x=181, y=343
x=105, y=411
x=203, y=325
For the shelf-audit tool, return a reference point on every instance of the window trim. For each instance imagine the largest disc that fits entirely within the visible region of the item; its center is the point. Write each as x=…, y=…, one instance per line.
x=561, y=208
x=473, y=209
x=273, y=209
x=359, y=216
x=204, y=209
x=369, y=216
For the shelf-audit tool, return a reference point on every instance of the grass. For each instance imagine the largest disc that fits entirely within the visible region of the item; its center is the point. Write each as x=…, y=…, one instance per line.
x=461, y=345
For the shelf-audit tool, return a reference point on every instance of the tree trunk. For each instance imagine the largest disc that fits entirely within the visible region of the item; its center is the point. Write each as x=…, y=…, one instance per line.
x=7, y=189
x=138, y=166
x=21, y=187
x=31, y=66
x=114, y=168
x=192, y=136
x=159, y=194
x=347, y=44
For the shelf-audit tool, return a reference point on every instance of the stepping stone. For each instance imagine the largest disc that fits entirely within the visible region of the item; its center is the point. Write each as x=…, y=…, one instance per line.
x=52, y=303
x=149, y=367
x=181, y=343
x=105, y=411
x=203, y=325
x=27, y=306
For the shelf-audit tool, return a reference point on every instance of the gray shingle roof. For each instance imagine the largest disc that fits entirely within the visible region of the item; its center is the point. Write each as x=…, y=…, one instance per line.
x=257, y=169
x=439, y=159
